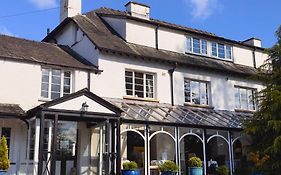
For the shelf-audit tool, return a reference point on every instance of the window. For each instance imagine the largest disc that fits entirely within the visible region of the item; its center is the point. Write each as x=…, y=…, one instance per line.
x=7, y=133
x=221, y=51
x=196, y=92
x=245, y=98
x=55, y=83
x=139, y=84
x=196, y=45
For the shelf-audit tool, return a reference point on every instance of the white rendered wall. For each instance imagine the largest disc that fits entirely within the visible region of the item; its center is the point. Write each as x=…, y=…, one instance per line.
x=79, y=42
x=260, y=58
x=21, y=83
x=243, y=56
x=140, y=33
x=111, y=83
x=119, y=25
x=170, y=40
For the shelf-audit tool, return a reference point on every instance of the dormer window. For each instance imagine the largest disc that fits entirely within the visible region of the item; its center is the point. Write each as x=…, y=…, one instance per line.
x=221, y=51
x=196, y=45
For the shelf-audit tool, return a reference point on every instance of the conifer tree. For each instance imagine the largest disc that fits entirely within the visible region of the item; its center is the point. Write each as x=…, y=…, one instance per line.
x=265, y=126
x=4, y=160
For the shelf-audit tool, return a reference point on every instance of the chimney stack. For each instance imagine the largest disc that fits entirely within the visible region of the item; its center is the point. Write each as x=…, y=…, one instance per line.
x=138, y=10
x=69, y=8
x=253, y=42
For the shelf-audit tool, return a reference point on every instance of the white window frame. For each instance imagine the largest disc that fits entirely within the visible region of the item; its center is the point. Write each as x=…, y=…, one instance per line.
x=61, y=82
x=200, y=45
x=208, y=92
x=144, y=84
x=217, y=48
x=248, y=100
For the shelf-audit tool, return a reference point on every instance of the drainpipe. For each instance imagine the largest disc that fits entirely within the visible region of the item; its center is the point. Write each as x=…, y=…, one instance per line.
x=89, y=80
x=171, y=72
x=254, y=58
x=156, y=37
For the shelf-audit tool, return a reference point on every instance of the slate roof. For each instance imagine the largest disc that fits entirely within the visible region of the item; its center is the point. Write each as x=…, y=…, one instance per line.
x=106, y=39
x=40, y=52
x=11, y=110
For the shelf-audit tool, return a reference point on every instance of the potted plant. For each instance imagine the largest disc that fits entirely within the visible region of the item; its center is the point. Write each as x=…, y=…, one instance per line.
x=4, y=160
x=130, y=168
x=195, y=166
x=222, y=170
x=168, y=168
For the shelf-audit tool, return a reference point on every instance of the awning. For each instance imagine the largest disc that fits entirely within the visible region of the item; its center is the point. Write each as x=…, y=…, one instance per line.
x=166, y=113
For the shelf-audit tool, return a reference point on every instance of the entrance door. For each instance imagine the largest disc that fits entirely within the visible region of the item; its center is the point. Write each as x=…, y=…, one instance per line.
x=66, y=152
x=100, y=149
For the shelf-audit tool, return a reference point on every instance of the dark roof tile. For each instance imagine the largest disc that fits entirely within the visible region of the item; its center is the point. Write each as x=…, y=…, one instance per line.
x=11, y=109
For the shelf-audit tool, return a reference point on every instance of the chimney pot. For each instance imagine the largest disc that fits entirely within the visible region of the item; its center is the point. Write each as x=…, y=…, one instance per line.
x=253, y=42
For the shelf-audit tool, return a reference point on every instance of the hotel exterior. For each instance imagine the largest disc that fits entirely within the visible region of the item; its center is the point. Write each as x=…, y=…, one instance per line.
x=109, y=86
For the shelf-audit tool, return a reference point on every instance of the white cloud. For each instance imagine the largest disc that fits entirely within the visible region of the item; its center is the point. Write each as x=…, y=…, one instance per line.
x=4, y=31
x=202, y=9
x=44, y=3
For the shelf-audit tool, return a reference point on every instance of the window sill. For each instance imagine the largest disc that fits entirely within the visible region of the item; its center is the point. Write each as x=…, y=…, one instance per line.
x=44, y=100
x=198, y=106
x=140, y=99
x=244, y=110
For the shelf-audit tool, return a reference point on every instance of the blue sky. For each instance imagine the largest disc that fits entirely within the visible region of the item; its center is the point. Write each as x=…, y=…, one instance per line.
x=233, y=19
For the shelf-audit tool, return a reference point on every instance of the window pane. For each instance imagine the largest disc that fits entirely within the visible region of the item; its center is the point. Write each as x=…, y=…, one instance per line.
x=55, y=95
x=221, y=50
x=66, y=83
x=204, y=46
x=45, y=78
x=44, y=94
x=244, y=98
x=214, y=49
x=56, y=88
x=187, y=91
x=237, y=98
x=203, y=93
x=56, y=84
x=56, y=79
x=251, y=100
x=129, y=82
x=56, y=72
x=228, y=52
x=45, y=83
x=188, y=44
x=195, y=92
x=196, y=45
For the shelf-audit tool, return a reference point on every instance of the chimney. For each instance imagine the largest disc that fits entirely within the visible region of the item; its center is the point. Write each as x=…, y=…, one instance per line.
x=253, y=42
x=138, y=10
x=69, y=8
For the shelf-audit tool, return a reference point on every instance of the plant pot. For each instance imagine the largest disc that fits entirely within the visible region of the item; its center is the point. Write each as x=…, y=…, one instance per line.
x=3, y=172
x=130, y=172
x=168, y=173
x=195, y=170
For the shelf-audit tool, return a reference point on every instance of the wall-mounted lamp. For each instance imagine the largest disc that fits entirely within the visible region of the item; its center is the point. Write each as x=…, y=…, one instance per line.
x=85, y=106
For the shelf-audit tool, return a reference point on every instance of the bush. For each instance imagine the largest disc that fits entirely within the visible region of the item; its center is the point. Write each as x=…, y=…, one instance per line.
x=222, y=170
x=132, y=165
x=4, y=160
x=195, y=162
x=168, y=165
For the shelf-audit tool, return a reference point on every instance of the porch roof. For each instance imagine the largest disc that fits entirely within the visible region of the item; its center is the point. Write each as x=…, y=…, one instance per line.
x=11, y=110
x=166, y=114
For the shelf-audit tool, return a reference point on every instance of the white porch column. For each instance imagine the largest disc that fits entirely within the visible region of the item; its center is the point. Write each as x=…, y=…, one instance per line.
x=36, y=146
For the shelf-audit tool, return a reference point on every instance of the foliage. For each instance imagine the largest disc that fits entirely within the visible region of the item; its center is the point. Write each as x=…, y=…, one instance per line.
x=222, y=170
x=265, y=126
x=132, y=165
x=168, y=165
x=195, y=162
x=258, y=160
x=4, y=160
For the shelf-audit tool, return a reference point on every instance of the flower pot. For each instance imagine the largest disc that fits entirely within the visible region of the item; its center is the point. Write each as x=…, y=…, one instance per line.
x=195, y=170
x=3, y=172
x=168, y=173
x=130, y=172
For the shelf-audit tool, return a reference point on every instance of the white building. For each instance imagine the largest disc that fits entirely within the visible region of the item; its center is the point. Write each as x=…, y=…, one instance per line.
x=109, y=86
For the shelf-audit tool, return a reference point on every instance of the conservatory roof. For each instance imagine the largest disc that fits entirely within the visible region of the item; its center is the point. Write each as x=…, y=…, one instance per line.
x=166, y=114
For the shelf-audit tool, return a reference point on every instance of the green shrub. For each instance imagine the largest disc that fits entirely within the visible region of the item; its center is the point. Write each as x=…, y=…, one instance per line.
x=194, y=162
x=168, y=165
x=4, y=160
x=222, y=170
x=132, y=165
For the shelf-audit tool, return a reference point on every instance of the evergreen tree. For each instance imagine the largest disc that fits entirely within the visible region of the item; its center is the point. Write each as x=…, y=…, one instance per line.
x=4, y=160
x=265, y=126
